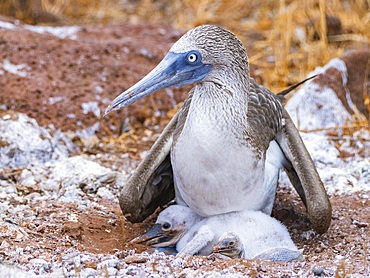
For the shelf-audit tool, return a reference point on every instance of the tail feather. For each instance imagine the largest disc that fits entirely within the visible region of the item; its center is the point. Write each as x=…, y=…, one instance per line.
x=282, y=94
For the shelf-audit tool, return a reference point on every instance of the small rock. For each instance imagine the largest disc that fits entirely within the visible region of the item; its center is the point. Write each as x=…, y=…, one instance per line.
x=134, y=271
x=112, y=177
x=72, y=228
x=359, y=223
x=5, y=244
x=121, y=254
x=39, y=265
x=135, y=259
x=91, y=264
x=88, y=272
x=28, y=143
x=104, y=193
x=319, y=271
x=109, y=263
x=8, y=270
x=112, y=272
x=69, y=255
x=91, y=144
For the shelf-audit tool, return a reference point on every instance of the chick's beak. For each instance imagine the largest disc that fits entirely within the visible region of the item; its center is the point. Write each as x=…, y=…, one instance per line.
x=157, y=237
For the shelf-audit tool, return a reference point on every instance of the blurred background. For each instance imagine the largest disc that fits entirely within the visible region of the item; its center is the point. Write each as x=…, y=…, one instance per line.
x=285, y=39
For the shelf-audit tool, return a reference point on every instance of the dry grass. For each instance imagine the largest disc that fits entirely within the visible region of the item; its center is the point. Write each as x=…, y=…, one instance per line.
x=293, y=35
x=286, y=39
x=342, y=271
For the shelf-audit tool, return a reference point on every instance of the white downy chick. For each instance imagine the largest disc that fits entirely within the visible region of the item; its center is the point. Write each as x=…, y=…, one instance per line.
x=194, y=234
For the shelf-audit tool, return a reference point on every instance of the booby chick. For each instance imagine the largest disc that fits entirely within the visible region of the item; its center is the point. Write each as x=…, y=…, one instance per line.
x=231, y=246
x=179, y=225
x=212, y=154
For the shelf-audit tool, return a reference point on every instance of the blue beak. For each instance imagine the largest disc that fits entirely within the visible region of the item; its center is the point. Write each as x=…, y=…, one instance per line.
x=176, y=69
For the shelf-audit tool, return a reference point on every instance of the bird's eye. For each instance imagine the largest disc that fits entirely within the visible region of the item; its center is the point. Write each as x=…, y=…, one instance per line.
x=192, y=58
x=166, y=226
x=231, y=243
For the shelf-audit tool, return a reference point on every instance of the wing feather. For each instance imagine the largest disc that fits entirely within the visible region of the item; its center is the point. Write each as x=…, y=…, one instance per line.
x=305, y=178
x=269, y=120
x=151, y=184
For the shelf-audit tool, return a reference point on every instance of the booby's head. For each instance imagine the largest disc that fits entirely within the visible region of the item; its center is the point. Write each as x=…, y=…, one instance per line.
x=201, y=55
x=171, y=225
x=229, y=245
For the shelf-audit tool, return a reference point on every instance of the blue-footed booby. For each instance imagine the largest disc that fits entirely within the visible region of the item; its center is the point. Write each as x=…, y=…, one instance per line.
x=258, y=233
x=212, y=154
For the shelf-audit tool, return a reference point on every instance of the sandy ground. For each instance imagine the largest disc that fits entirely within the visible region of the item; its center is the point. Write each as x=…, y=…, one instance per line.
x=67, y=81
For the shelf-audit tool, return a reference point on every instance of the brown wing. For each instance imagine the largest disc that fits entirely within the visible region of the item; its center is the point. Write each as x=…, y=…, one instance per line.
x=270, y=121
x=264, y=115
x=151, y=184
x=305, y=177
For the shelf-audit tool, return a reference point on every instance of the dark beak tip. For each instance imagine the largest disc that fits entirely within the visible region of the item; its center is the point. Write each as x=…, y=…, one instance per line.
x=218, y=249
x=135, y=241
x=107, y=111
x=139, y=240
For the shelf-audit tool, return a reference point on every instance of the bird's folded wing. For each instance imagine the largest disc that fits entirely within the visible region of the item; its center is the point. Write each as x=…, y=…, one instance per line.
x=151, y=184
x=304, y=176
x=264, y=115
x=269, y=120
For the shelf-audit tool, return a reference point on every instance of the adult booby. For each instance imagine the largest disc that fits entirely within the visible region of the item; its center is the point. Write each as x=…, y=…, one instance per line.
x=212, y=153
x=230, y=245
x=258, y=233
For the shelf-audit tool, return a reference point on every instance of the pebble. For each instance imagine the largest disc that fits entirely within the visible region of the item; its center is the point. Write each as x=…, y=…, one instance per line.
x=112, y=271
x=318, y=271
x=91, y=264
x=39, y=265
x=4, y=244
x=105, y=193
x=110, y=263
x=88, y=272
x=133, y=271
